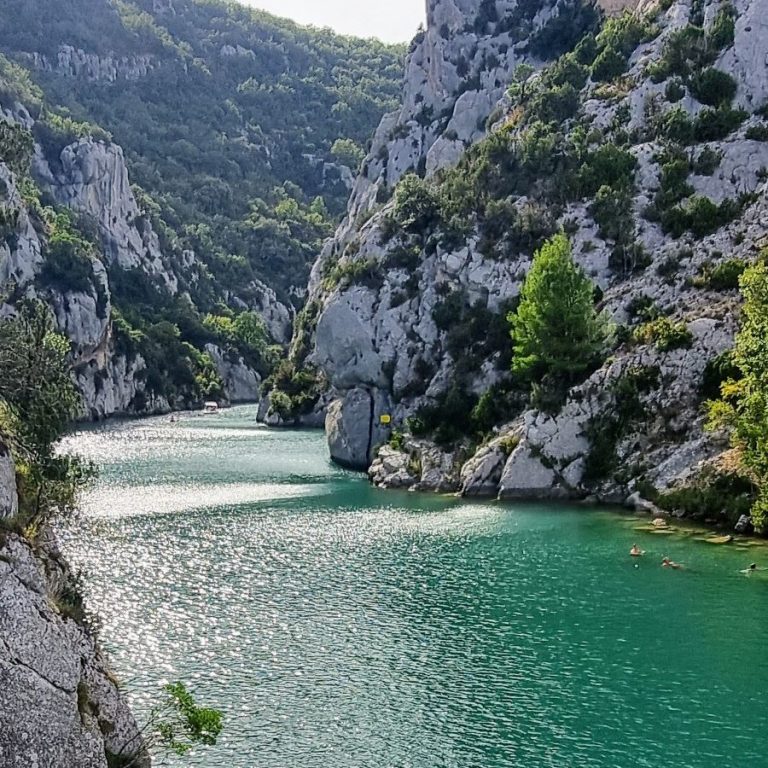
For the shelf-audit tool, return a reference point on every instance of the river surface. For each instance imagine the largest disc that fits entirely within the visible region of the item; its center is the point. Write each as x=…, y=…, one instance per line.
x=338, y=626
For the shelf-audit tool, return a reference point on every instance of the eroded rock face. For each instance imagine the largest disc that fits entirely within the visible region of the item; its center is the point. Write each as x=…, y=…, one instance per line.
x=93, y=180
x=353, y=426
x=379, y=334
x=241, y=383
x=60, y=705
x=369, y=337
x=59, y=702
x=74, y=62
x=9, y=502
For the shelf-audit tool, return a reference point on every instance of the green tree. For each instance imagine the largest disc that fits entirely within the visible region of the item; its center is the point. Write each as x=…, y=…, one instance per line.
x=38, y=398
x=518, y=89
x=557, y=333
x=348, y=153
x=744, y=403
x=416, y=204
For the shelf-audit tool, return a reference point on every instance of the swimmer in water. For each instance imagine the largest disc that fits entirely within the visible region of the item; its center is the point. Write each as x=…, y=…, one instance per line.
x=752, y=569
x=667, y=563
x=636, y=551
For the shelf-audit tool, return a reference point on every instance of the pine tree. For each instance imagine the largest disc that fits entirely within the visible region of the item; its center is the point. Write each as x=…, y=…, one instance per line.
x=557, y=333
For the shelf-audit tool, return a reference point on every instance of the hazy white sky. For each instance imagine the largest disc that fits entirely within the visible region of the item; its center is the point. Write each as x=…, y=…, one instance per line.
x=391, y=20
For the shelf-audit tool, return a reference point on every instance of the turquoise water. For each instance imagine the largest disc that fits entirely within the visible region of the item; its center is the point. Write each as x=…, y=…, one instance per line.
x=338, y=626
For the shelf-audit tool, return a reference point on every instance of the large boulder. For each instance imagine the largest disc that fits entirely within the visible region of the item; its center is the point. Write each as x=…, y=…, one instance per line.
x=353, y=427
x=525, y=476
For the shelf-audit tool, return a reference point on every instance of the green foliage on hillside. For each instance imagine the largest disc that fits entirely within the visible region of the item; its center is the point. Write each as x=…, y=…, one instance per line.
x=664, y=334
x=37, y=400
x=234, y=103
x=743, y=406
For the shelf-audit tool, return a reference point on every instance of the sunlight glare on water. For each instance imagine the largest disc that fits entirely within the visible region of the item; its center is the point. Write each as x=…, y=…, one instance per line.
x=338, y=626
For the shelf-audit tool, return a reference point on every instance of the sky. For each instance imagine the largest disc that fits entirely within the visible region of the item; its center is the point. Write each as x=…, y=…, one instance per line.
x=395, y=21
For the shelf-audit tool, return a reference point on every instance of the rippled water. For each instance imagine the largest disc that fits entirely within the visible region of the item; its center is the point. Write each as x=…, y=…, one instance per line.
x=338, y=626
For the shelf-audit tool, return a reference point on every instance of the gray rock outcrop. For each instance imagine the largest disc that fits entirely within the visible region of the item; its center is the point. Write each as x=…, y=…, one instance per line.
x=241, y=383
x=74, y=62
x=381, y=334
x=93, y=181
x=60, y=704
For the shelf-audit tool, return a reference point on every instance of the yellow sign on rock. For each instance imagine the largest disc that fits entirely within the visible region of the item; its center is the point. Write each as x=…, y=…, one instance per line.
x=385, y=418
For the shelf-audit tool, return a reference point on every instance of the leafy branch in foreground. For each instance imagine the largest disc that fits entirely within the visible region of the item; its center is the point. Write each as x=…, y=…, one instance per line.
x=175, y=726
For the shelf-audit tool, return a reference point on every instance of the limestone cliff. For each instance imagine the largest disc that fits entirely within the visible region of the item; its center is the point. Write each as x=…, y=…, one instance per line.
x=90, y=179
x=61, y=706
x=403, y=315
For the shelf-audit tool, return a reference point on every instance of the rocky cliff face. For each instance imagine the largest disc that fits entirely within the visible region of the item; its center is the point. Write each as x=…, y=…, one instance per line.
x=74, y=62
x=90, y=179
x=402, y=317
x=61, y=705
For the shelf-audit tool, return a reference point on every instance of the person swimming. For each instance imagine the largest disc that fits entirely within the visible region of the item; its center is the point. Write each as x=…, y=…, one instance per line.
x=752, y=568
x=667, y=563
x=636, y=551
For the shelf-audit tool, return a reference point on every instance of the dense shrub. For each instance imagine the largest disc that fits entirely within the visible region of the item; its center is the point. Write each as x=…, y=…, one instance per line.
x=757, y=132
x=38, y=399
x=721, y=33
x=365, y=272
x=707, y=161
x=716, y=124
x=744, y=404
x=664, y=334
x=676, y=125
x=616, y=41
x=612, y=210
x=348, y=152
x=16, y=147
x=554, y=104
x=674, y=185
x=416, y=208
x=713, y=87
x=69, y=257
x=723, y=276
x=608, y=165
x=608, y=65
x=700, y=215
x=684, y=51
x=675, y=90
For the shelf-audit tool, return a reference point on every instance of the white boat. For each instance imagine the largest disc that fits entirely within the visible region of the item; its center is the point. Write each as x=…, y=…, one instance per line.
x=211, y=407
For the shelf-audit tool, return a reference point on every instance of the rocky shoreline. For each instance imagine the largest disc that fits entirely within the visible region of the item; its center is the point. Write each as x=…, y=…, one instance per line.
x=61, y=704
